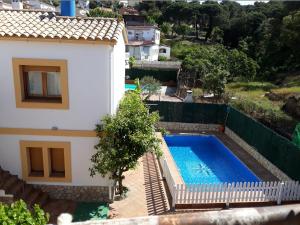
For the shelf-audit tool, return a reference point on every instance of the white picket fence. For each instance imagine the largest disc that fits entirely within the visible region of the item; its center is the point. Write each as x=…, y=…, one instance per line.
x=239, y=192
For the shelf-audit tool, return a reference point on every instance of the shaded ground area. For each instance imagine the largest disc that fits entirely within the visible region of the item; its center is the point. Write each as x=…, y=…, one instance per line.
x=90, y=211
x=155, y=191
x=56, y=207
x=246, y=158
x=146, y=195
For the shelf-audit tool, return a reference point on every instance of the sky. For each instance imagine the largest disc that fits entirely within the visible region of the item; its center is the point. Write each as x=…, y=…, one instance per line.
x=247, y=2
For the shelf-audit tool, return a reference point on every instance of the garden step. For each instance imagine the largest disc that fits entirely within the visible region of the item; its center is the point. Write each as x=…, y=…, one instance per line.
x=3, y=177
x=42, y=199
x=26, y=192
x=32, y=197
x=17, y=189
x=7, y=183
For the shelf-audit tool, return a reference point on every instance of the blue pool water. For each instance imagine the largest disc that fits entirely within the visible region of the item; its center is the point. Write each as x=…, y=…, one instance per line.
x=204, y=159
x=130, y=87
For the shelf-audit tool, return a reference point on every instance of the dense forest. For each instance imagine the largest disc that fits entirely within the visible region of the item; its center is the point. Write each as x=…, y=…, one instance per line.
x=269, y=32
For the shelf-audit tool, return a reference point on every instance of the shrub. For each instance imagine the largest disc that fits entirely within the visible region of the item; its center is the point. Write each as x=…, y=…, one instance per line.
x=162, y=58
x=17, y=213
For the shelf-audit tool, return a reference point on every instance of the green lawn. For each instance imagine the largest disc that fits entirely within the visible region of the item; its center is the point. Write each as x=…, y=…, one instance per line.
x=90, y=211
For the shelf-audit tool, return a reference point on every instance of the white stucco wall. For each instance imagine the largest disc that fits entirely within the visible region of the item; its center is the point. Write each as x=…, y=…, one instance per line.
x=81, y=152
x=96, y=75
x=88, y=81
x=148, y=34
x=167, y=54
x=118, y=78
x=139, y=53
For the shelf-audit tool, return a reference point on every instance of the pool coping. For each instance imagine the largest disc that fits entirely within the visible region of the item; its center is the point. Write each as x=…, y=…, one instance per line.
x=170, y=160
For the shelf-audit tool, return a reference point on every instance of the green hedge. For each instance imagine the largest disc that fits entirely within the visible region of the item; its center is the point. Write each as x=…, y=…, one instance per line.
x=277, y=149
x=161, y=75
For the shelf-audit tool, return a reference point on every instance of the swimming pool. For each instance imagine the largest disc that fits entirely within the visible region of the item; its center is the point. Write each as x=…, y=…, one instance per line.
x=204, y=159
x=130, y=87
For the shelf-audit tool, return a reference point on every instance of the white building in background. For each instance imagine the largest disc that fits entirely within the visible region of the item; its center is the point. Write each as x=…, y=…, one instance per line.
x=164, y=51
x=37, y=4
x=54, y=87
x=26, y=4
x=143, y=42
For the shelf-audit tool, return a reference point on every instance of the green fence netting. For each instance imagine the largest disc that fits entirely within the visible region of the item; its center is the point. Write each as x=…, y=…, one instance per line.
x=277, y=149
x=161, y=75
x=189, y=113
x=280, y=151
x=296, y=135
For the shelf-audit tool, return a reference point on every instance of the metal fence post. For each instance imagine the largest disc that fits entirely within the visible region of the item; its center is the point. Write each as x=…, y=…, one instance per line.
x=279, y=196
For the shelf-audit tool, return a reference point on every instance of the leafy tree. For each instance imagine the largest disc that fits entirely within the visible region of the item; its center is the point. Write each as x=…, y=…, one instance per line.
x=124, y=138
x=214, y=81
x=17, y=213
x=217, y=35
x=150, y=86
x=240, y=65
x=182, y=29
x=98, y=12
x=166, y=28
x=131, y=61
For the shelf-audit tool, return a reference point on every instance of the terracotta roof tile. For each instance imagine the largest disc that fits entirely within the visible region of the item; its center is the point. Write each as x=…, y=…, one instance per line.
x=51, y=26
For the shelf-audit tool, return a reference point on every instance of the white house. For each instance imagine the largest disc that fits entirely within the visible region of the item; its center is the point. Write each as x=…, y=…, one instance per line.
x=59, y=77
x=143, y=42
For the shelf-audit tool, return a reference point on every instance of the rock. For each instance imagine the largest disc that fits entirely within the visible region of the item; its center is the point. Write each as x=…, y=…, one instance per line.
x=273, y=97
x=292, y=105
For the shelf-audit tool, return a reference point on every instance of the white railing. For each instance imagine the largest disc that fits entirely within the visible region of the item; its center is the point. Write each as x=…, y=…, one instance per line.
x=239, y=192
x=167, y=175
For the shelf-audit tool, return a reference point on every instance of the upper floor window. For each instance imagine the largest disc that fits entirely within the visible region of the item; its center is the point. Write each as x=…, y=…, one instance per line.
x=41, y=83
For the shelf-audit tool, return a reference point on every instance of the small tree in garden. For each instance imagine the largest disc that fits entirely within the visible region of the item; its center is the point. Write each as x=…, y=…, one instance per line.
x=124, y=138
x=214, y=81
x=150, y=86
x=17, y=213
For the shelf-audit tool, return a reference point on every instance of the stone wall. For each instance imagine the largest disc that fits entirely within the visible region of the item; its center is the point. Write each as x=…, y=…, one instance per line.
x=6, y=198
x=188, y=127
x=255, y=154
x=77, y=193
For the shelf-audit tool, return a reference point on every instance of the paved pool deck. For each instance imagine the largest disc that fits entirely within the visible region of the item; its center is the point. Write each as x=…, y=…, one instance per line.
x=147, y=193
